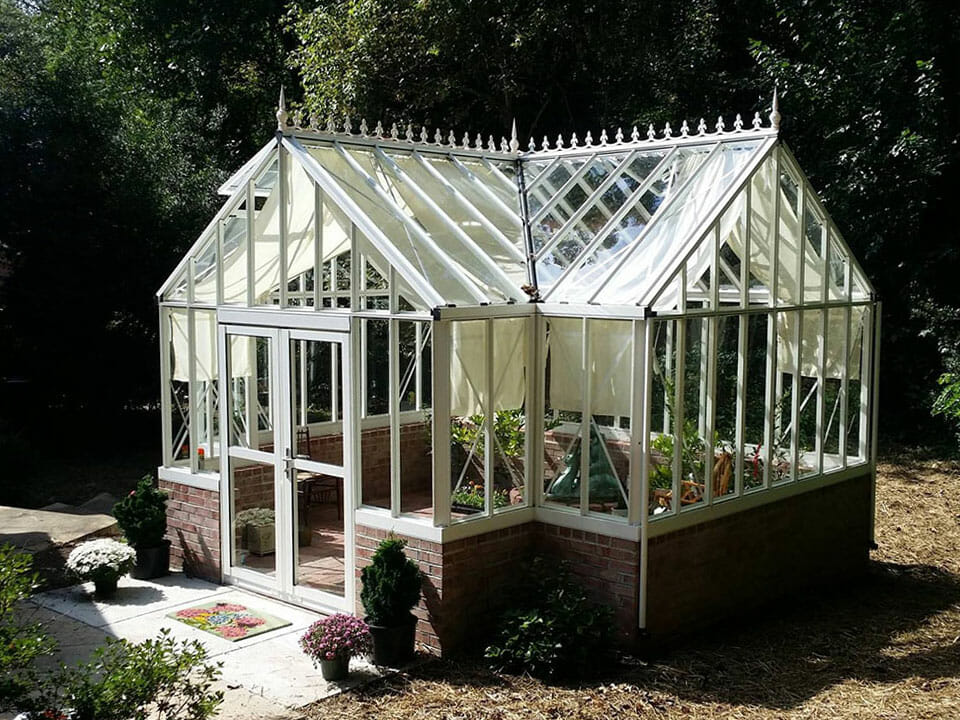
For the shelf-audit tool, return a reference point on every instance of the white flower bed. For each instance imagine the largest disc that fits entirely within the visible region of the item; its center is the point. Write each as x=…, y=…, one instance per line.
x=101, y=558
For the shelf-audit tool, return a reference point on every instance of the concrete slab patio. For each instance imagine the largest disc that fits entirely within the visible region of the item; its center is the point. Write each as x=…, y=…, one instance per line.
x=265, y=676
x=18, y=526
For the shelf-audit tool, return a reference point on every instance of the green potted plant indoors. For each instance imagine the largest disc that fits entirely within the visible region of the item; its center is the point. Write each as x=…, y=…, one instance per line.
x=391, y=588
x=142, y=517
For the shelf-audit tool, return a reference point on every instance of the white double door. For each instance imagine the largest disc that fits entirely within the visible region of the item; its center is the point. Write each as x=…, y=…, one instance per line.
x=286, y=417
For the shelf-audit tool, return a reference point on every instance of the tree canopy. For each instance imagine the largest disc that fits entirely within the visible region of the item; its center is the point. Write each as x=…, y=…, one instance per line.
x=119, y=118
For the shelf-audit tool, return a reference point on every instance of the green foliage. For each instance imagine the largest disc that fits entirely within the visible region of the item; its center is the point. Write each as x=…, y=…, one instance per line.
x=142, y=515
x=391, y=584
x=947, y=402
x=21, y=643
x=508, y=428
x=551, y=630
x=472, y=496
x=158, y=678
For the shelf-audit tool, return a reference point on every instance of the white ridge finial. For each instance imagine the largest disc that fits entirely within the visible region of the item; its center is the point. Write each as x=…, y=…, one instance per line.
x=775, y=109
x=378, y=130
x=466, y=141
x=559, y=141
x=364, y=130
x=684, y=129
x=478, y=142
x=545, y=145
x=408, y=133
x=504, y=144
x=514, y=139
x=757, y=122
x=588, y=140
x=331, y=125
x=532, y=145
x=651, y=133
x=282, y=111
x=635, y=134
x=619, y=135
x=738, y=123
x=702, y=127
x=491, y=144
x=348, y=126
x=573, y=140
x=438, y=137
x=394, y=131
x=423, y=134
x=452, y=139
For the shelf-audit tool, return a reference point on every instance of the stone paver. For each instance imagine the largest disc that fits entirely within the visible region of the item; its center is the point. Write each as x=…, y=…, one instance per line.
x=265, y=676
x=18, y=526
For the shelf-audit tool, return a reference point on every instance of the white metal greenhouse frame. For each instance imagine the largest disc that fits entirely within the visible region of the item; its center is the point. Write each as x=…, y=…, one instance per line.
x=588, y=286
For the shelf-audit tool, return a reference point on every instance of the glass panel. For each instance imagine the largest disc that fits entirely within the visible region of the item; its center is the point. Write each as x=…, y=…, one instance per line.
x=789, y=238
x=814, y=248
x=510, y=417
x=833, y=389
x=207, y=440
x=251, y=410
x=376, y=359
x=611, y=356
x=809, y=387
x=468, y=401
x=725, y=418
x=253, y=516
x=856, y=386
x=694, y=448
x=266, y=233
x=179, y=386
x=763, y=195
x=838, y=267
x=671, y=225
x=416, y=465
x=234, y=260
x=315, y=375
x=662, y=396
x=562, y=411
x=301, y=236
x=205, y=271
x=787, y=358
x=755, y=415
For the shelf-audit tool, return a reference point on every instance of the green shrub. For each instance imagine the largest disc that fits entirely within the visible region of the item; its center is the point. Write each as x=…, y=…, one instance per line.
x=20, y=643
x=552, y=630
x=391, y=584
x=159, y=679
x=142, y=515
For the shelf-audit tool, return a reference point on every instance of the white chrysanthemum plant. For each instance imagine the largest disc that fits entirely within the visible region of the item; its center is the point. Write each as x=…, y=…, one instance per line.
x=102, y=560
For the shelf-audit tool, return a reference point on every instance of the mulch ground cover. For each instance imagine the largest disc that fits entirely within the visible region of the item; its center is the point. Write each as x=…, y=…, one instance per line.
x=885, y=647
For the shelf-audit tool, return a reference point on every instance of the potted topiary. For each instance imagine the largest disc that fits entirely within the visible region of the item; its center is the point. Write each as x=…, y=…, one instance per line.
x=332, y=641
x=142, y=516
x=391, y=588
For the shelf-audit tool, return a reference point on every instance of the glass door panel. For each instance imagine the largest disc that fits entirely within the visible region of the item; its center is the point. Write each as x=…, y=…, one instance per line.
x=317, y=463
x=251, y=525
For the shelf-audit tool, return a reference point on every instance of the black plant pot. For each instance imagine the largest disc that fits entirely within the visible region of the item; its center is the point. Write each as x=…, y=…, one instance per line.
x=152, y=562
x=393, y=645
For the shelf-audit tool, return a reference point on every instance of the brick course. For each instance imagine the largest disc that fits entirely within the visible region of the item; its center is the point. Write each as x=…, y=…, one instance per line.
x=193, y=528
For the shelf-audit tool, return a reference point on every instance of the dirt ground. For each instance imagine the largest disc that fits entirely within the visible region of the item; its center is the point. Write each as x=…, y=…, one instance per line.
x=887, y=647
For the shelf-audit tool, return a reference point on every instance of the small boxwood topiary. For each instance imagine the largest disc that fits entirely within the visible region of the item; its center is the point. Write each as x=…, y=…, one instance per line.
x=552, y=630
x=391, y=584
x=142, y=515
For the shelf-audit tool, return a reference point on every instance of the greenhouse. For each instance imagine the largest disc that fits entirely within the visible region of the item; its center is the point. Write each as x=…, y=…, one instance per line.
x=649, y=353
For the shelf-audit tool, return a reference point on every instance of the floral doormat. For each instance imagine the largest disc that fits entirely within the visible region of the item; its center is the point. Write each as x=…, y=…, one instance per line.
x=228, y=620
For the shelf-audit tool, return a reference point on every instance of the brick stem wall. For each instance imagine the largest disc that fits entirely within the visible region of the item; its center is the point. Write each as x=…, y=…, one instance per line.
x=193, y=528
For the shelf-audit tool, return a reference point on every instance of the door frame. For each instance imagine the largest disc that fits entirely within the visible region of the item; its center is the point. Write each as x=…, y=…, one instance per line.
x=282, y=585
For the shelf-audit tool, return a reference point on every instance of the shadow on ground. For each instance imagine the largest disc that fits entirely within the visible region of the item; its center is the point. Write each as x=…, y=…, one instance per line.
x=883, y=629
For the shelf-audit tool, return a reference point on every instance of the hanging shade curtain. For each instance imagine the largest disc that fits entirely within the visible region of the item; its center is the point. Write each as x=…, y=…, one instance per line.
x=468, y=366
x=610, y=365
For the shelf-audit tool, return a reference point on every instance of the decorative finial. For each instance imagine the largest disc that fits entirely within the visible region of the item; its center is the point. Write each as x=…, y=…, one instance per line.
x=491, y=144
x=466, y=141
x=684, y=129
x=394, y=131
x=559, y=142
x=298, y=120
x=452, y=139
x=774, y=109
x=588, y=140
x=651, y=133
x=635, y=134
x=282, y=111
x=314, y=124
x=331, y=125
x=702, y=127
x=364, y=130
x=545, y=145
x=757, y=122
x=532, y=145
x=738, y=123
x=619, y=135
x=408, y=133
x=478, y=142
x=424, y=137
x=720, y=124
x=348, y=126
x=573, y=140
x=438, y=137
x=667, y=131
x=514, y=139
x=504, y=144
x=378, y=130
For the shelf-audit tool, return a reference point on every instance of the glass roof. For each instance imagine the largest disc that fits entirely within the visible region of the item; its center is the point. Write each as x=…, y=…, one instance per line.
x=607, y=224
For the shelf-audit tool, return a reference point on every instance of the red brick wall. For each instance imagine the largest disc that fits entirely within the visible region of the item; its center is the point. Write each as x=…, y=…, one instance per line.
x=193, y=528
x=727, y=566
x=608, y=568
